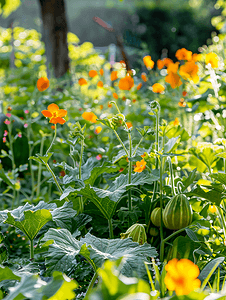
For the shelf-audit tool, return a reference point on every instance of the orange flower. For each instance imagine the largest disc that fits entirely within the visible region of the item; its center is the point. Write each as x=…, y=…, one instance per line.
x=149, y=63
x=184, y=93
x=93, y=73
x=98, y=130
x=189, y=71
x=101, y=72
x=129, y=125
x=114, y=75
x=139, y=86
x=126, y=83
x=157, y=88
x=182, y=103
x=82, y=81
x=134, y=100
x=123, y=98
x=167, y=61
x=140, y=166
x=109, y=104
x=183, y=54
x=115, y=95
x=101, y=106
x=89, y=116
x=181, y=276
x=55, y=114
x=173, y=78
x=144, y=77
x=53, y=126
x=160, y=64
x=196, y=57
x=213, y=59
x=42, y=84
x=212, y=209
x=100, y=84
x=176, y=122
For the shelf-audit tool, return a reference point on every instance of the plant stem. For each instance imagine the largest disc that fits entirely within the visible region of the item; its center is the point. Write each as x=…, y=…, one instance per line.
x=171, y=175
x=161, y=207
x=137, y=146
x=221, y=215
x=54, y=177
x=13, y=160
x=130, y=173
x=165, y=240
x=40, y=167
x=54, y=137
x=81, y=204
x=30, y=161
x=31, y=249
x=111, y=234
x=118, y=137
x=91, y=284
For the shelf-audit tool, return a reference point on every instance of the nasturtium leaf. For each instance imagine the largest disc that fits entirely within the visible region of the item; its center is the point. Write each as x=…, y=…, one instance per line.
x=7, y=274
x=31, y=222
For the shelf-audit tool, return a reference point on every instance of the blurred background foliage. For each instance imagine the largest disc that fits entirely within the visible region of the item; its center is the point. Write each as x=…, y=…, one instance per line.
x=164, y=26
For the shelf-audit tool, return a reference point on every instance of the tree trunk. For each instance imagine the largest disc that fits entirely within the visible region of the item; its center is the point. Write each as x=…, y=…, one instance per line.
x=55, y=35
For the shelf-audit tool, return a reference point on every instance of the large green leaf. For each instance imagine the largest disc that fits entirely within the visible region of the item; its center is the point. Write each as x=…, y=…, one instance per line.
x=221, y=177
x=170, y=144
x=31, y=222
x=7, y=274
x=34, y=288
x=63, y=215
x=213, y=196
x=65, y=247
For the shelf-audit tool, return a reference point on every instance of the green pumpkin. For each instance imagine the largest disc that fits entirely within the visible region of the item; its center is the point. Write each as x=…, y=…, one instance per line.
x=156, y=217
x=177, y=213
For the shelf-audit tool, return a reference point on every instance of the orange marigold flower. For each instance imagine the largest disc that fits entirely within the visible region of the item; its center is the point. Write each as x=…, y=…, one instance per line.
x=140, y=166
x=139, y=86
x=213, y=59
x=157, y=88
x=196, y=57
x=144, y=77
x=129, y=125
x=181, y=276
x=134, y=100
x=98, y=130
x=93, y=73
x=100, y=84
x=53, y=126
x=184, y=93
x=182, y=104
x=126, y=83
x=189, y=71
x=89, y=116
x=212, y=209
x=183, y=54
x=176, y=122
x=160, y=64
x=167, y=61
x=114, y=75
x=55, y=114
x=149, y=63
x=109, y=104
x=173, y=78
x=42, y=84
x=101, y=72
x=115, y=96
x=82, y=81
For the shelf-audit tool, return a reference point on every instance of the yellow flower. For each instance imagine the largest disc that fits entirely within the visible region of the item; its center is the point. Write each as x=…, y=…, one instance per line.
x=212, y=209
x=98, y=130
x=140, y=166
x=181, y=276
x=213, y=59
x=148, y=62
x=189, y=71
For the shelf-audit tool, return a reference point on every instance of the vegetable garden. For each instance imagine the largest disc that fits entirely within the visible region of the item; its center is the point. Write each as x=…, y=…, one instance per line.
x=112, y=181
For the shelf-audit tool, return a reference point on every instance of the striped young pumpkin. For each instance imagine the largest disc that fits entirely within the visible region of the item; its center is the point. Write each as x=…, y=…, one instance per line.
x=177, y=213
x=156, y=217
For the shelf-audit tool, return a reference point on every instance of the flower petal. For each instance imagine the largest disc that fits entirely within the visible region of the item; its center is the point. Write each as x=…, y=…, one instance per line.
x=53, y=107
x=46, y=113
x=57, y=120
x=62, y=113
